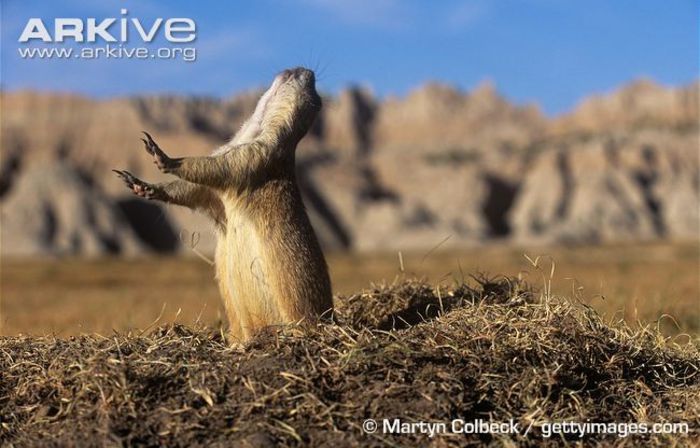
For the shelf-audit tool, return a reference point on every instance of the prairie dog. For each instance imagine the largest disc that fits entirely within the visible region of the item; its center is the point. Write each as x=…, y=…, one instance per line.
x=269, y=265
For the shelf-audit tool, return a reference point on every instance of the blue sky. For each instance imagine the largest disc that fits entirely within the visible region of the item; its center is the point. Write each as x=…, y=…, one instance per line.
x=553, y=52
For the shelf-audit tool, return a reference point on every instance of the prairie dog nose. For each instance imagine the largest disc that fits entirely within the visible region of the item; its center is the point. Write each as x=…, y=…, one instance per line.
x=297, y=73
x=305, y=74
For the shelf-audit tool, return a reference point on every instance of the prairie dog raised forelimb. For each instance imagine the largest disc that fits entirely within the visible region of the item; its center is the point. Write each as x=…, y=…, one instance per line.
x=269, y=264
x=179, y=192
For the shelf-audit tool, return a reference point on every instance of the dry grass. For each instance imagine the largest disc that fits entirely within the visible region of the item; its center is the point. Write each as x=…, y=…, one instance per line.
x=67, y=297
x=496, y=350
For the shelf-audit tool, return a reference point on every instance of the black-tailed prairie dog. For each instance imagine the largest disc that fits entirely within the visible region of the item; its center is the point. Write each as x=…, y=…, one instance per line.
x=269, y=264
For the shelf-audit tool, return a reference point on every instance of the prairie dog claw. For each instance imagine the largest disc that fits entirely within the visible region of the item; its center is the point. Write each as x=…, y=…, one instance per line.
x=137, y=186
x=160, y=158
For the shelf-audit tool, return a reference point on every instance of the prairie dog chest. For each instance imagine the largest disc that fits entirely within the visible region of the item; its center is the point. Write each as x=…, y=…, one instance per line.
x=243, y=239
x=245, y=254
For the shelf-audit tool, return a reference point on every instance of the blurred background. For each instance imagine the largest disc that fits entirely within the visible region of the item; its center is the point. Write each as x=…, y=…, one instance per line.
x=456, y=137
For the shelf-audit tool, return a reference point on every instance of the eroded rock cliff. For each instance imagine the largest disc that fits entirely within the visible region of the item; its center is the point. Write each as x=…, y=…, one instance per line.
x=438, y=166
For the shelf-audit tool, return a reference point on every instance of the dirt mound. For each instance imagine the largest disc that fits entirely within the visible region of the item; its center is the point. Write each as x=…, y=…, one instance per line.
x=498, y=352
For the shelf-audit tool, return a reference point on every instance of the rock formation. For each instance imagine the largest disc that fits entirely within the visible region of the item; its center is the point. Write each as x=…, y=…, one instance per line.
x=54, y=209
x=438, y=166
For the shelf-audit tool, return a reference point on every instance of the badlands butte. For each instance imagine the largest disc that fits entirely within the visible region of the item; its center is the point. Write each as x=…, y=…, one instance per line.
x=438, y=166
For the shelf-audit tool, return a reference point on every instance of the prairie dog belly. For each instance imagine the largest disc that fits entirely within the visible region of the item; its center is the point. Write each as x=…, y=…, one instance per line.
x=248, y=276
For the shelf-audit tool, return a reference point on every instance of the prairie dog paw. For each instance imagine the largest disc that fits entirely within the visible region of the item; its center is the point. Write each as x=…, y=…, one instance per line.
x=160, y=158
x=137, y=186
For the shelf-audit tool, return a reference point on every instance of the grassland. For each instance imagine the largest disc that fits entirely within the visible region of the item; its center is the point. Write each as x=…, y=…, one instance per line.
x=643, y=283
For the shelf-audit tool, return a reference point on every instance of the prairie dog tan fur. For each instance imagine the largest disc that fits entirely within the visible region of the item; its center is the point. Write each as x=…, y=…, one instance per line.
x=269, y=265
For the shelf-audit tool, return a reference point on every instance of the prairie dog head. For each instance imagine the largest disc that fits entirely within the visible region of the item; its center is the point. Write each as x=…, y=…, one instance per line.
x=291, y=103
x=286, y=111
